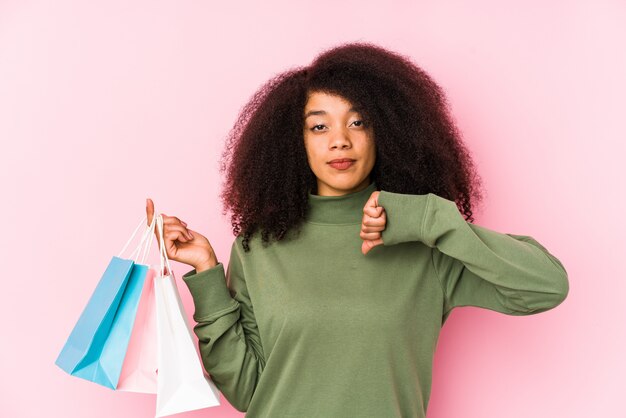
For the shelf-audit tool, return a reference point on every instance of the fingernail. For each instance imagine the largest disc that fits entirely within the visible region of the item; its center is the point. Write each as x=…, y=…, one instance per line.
x=190, y=235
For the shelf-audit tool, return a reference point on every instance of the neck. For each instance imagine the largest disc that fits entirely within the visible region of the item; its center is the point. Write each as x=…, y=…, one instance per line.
x=336, y=210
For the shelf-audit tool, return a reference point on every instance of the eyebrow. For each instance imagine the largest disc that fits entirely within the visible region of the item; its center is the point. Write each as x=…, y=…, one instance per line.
x=323, y=112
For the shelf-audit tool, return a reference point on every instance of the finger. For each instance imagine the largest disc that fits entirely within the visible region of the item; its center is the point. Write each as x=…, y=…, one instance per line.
x=171, y=242
x=176, y=232
x=366, y=228
x=369, y=236
x=374, y=212
x=170, y=246
x=173, y=220
x=375, y=222
x=161, y=229
x=186, y=232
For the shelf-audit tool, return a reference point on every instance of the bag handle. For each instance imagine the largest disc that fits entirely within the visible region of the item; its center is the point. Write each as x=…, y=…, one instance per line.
x=162, y=250
x=147, y=232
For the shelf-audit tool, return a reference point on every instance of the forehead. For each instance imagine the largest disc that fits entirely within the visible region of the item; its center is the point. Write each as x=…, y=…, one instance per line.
x=321, y=100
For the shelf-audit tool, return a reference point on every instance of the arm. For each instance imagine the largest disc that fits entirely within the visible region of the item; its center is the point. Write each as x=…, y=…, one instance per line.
x=229, y=341
x=511, y=274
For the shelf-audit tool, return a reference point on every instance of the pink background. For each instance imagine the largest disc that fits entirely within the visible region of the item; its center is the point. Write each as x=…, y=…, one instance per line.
x=103, y=104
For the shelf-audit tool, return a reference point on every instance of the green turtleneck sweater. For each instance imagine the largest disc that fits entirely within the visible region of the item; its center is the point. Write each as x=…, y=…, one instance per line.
x=311, y=327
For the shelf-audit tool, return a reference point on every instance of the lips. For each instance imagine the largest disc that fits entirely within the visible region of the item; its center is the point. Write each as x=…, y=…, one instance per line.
x=340, y=160
x=344, y=165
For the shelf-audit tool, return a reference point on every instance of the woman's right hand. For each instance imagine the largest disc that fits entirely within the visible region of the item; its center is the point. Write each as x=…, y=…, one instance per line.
x=181, y=243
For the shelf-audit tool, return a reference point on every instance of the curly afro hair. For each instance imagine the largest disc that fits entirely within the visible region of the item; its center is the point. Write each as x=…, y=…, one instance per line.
x=419, y=150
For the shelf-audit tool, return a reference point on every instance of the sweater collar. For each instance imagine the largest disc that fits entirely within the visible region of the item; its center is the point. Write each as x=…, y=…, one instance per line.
x=335, y=210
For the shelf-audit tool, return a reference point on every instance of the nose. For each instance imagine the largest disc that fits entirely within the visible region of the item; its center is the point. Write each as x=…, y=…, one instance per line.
x=340, y=139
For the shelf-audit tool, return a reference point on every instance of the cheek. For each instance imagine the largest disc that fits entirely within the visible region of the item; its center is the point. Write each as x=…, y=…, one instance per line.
x=310, y=146
x=307, y=147
x=371, y=144
x=368, y=146
x=312, y=154
x=371, y=154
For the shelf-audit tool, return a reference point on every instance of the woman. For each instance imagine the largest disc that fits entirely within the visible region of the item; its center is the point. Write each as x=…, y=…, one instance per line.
x=339, y=314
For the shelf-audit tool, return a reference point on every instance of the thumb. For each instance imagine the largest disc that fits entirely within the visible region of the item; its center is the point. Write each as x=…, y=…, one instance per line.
x=150, y=215
x=149, y=210
x=366, y=247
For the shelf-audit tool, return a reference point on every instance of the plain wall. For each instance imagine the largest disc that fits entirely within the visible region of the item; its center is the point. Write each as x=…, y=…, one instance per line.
x=103, y=104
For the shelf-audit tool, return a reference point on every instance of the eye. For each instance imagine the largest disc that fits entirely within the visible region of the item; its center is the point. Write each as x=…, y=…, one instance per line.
x=313, y=128
x=362, y=123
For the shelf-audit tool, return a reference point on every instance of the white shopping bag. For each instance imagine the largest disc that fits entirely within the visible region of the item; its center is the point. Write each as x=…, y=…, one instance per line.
x=182, y=383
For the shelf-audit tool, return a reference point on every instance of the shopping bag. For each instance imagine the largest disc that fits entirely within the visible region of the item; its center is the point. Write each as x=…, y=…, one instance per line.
x=182, y=382
x=97, y=345
x=139, y=371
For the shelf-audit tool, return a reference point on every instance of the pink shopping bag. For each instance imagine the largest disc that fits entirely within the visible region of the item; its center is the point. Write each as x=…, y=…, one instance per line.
x=139, y=371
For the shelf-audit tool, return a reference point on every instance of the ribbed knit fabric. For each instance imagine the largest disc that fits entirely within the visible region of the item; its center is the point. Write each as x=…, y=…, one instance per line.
x=311, y=327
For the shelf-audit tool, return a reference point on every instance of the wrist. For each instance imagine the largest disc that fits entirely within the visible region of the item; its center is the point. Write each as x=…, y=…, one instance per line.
x=206, y=265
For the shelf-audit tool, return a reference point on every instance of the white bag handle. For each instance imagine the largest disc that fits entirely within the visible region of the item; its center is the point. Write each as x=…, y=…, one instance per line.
x=147, y=233
x=150, y=233
x=162, y=249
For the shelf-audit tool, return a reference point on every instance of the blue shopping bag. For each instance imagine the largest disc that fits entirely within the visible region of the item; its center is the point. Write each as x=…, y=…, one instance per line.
x=97, y=345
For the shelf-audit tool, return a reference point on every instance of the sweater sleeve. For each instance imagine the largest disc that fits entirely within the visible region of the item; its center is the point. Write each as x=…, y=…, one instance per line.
x=228, y=337
x=476, y=266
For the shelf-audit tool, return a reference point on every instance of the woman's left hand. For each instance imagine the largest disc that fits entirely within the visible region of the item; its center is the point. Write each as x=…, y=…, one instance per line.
x=374, y=221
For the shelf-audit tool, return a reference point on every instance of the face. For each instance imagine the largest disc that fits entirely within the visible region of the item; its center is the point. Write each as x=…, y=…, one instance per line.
x=333, y=129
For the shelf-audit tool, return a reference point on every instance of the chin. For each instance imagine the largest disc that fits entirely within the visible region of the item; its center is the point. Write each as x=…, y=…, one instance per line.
x=345, y=183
